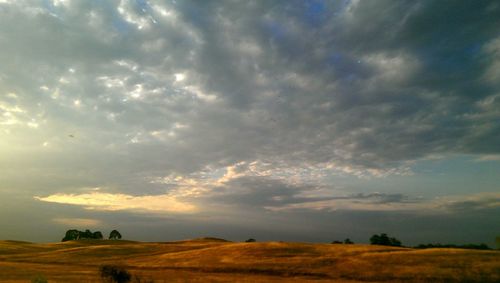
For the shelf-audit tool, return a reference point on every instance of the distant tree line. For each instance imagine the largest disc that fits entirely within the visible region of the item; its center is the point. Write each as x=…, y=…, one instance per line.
x=73, y=234
x=346, y=241
x=467, y=246
x=384, y=240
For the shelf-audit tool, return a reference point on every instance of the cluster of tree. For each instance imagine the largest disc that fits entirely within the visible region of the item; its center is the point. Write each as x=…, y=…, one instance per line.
x=74, y=234
x=384, y=240
x=467, y=246
x=346, y=241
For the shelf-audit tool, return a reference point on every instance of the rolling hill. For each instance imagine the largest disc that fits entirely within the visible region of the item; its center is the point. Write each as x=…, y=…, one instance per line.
x=216, y=260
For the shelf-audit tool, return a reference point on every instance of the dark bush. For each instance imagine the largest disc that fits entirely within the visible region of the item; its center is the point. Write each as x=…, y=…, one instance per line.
x=251, y=240
x=112, y=273
x=39, y=279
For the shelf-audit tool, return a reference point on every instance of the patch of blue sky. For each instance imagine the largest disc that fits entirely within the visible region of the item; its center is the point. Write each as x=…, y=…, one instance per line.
x=49, y=6
x=120, y=25
x=315, y=12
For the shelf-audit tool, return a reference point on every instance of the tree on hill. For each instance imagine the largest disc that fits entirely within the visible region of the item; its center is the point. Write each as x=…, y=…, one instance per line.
x=251, y=240
x=115, y=235
x=384, y=240
x=73, y=234
x=97, y=235
x=86, y=235
x=348, y=241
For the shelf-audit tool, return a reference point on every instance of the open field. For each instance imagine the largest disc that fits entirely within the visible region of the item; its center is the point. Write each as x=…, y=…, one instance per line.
x=212, y=260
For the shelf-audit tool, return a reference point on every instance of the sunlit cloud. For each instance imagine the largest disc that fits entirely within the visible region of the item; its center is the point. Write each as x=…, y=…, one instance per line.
x=114, y=202
x=78, y=222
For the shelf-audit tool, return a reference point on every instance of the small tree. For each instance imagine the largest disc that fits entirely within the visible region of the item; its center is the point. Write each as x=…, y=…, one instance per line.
x=86, y=235
x=348, y=241
x=97, y=235
x=115, y=235
x=71, y=235
x=251, y=240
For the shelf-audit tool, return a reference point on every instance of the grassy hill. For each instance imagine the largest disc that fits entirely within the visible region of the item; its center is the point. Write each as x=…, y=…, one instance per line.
x=216, y=260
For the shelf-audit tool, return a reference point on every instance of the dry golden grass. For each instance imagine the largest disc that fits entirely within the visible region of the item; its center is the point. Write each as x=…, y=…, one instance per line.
x=212, y=260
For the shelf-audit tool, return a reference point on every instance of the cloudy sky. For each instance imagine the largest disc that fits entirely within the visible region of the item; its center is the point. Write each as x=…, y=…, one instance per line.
x=278, y=120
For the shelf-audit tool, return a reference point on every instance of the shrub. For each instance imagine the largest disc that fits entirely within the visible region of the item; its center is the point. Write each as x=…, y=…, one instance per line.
x=251, y=240
x=39, y=279
x=112, y=273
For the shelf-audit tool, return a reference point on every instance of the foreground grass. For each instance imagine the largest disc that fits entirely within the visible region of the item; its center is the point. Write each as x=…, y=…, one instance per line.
x=211, y=260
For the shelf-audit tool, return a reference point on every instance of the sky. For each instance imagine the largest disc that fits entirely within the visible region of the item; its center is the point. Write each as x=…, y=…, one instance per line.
x=306, y=121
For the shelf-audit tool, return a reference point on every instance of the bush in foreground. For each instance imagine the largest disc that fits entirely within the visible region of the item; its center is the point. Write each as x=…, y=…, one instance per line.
x=113, y=273
x=39, y=279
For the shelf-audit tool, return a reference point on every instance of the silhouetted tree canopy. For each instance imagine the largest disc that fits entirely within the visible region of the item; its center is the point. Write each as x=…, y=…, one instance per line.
x=97, y=235
x=384, y=240
x=115, y=235
x=348, y=241
x=73, y=234
x=251, y=240
x=337, y=242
